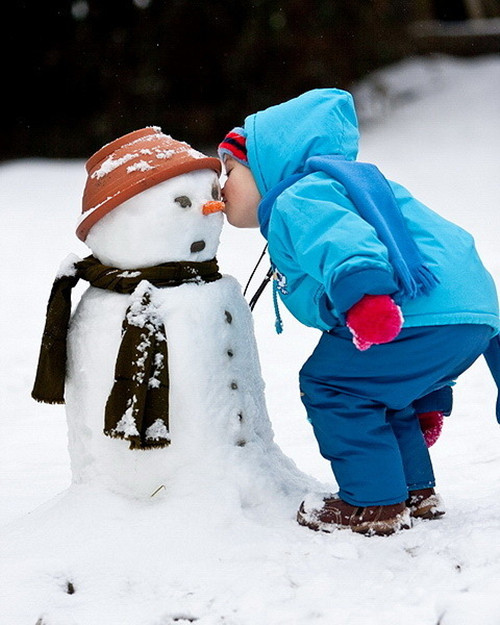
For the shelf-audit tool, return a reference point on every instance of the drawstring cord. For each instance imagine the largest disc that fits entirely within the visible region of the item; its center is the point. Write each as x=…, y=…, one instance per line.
x=254, y=270
x=278, y=324
x=261, y=288
x=253, y=300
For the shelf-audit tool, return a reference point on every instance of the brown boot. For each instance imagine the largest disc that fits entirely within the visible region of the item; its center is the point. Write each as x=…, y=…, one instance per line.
x=425, y=504
x=334, y=513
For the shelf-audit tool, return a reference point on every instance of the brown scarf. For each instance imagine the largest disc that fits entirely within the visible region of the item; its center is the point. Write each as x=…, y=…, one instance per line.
x=137, y=407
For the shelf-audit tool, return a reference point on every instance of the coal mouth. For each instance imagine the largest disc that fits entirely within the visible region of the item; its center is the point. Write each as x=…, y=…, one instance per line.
x=197, y=246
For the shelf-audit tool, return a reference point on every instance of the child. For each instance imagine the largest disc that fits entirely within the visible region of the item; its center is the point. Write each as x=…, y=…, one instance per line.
x=400, y=321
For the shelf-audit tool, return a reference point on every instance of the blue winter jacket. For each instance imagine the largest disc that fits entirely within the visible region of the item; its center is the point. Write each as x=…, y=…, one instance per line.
x=327, y=257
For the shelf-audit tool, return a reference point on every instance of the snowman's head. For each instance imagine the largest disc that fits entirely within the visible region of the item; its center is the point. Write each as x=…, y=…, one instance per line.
x=175, y=220
x=146, y=201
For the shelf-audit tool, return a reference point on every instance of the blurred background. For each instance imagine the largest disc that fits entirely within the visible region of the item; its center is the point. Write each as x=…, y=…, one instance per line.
x=78, y=73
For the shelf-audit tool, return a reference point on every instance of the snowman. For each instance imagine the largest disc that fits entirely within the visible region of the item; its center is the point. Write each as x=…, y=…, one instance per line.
x=159, y=366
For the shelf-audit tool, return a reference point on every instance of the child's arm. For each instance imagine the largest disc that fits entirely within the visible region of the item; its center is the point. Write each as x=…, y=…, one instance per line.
x=330, y=242
x=374, y=320
x=320, y=230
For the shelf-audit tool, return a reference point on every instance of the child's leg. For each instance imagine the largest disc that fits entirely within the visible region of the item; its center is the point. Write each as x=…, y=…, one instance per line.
x=354, y=435
x=347, y=394
x=414, y=453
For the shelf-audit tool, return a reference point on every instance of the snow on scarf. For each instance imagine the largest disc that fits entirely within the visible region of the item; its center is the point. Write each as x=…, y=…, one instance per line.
x=137, y=408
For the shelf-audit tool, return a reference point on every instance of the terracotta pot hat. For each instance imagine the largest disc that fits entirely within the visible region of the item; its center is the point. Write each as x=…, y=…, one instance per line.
x=131, y=164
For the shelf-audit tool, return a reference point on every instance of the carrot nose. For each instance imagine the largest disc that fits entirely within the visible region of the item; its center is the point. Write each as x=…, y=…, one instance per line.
x=214, y=206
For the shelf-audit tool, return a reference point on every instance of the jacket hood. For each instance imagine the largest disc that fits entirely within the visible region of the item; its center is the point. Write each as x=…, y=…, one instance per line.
x=281, y=138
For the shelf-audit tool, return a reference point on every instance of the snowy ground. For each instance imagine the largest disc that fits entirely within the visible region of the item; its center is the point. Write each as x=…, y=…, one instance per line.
x=87, y=557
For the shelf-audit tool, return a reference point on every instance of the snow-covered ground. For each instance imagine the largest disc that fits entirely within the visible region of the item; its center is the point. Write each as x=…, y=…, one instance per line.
x=84, y=556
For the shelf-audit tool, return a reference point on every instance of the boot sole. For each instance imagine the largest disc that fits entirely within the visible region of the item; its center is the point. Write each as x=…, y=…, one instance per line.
x=370, y=528
x=428, y=513
x=428, y=509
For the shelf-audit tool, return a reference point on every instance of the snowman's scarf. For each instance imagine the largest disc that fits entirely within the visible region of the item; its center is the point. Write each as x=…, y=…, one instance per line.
x=137, y=407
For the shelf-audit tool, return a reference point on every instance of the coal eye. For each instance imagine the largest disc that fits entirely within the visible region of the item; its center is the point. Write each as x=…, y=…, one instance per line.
x=183, y=201
x=216, y=192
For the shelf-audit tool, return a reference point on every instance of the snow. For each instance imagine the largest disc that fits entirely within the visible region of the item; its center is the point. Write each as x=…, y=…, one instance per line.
x=184, y=554
x=67, y=266
x=130, y=234
x=139, y=166
x=110, y=164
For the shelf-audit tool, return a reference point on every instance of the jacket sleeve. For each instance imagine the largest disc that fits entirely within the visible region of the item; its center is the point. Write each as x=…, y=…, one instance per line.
x=330, y=242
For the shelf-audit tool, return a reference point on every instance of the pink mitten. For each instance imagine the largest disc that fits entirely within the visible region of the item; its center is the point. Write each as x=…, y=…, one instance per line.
x=431, y=424
x=375, y=319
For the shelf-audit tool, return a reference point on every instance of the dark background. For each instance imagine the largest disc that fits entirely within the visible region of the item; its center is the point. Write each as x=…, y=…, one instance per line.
x=77, y=74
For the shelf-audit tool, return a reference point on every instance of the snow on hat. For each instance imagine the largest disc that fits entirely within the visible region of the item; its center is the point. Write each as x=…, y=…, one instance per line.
x=131, y=164
x=234, y=145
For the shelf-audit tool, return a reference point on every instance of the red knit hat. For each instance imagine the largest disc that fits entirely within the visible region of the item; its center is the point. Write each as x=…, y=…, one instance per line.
x=131, y=164
x=234, y=145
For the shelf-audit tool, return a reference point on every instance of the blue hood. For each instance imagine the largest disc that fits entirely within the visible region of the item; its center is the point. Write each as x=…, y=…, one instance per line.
x=281, y=138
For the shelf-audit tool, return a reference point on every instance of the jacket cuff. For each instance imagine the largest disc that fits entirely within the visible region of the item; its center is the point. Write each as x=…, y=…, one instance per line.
x=350, y=289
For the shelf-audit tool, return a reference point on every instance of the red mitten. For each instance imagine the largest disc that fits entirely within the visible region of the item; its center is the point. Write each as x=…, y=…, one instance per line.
x=375, y=319
x=431, y=424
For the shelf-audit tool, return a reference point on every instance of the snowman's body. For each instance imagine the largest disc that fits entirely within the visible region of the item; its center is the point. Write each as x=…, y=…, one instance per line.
x=221, y=437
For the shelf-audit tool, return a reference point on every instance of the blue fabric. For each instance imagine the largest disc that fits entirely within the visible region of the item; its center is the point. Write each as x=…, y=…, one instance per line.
x=492, y=356
x=362, y=405
x=327, y=256
x=440, y=401
x=267, y=202
x=282, y=137
x=376, y=204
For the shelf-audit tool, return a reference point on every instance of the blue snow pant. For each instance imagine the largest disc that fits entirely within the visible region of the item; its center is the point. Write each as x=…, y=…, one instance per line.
x=361, y=405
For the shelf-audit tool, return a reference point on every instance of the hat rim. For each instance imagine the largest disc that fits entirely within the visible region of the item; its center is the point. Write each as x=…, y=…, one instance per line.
x=93, y=215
